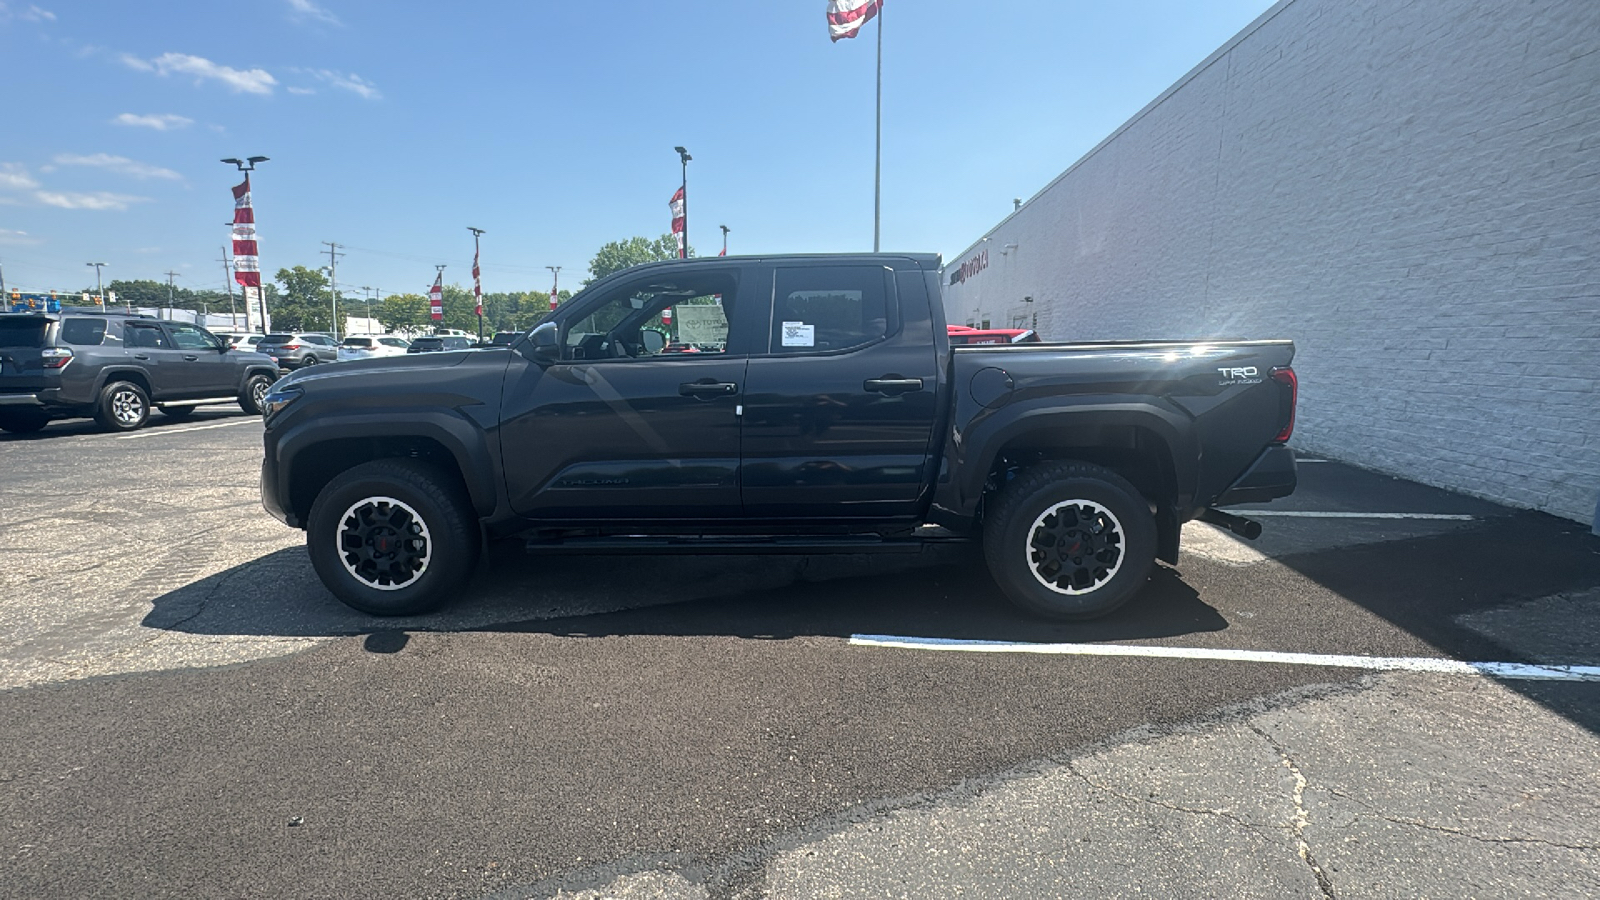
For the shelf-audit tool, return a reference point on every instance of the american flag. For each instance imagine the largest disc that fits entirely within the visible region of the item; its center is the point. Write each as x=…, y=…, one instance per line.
x=677, y=222
x=845, y=17
x=436, y=297
x=246, y=257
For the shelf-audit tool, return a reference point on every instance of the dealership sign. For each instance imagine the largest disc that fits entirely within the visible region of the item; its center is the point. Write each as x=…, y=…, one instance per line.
x=971, y=267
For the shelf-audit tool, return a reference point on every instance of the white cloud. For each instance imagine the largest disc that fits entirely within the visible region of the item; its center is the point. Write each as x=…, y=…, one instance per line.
x=158, y=121
x=14, y=177
x=351, y=82
x=17, y=238
x=306, y=10
x=35, y=14
x=119, y=164
x=99, y=200
x=247, y=81
x=302, y=91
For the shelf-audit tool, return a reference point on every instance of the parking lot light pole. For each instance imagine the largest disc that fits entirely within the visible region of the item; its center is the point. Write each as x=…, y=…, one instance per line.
x=248, y=164
x=725, y=231
x=99, y=287
x=684, y=157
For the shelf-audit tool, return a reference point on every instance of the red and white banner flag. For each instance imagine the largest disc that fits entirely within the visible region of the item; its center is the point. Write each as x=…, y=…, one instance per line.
x=845, y=17
x=677, y=222
x=436, y=297
x=246, y=258
x=477, y=287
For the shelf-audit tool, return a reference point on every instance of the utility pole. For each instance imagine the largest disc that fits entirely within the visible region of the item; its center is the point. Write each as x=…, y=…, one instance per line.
x=556, y=287
x=170, y=275
x=227, y=282
x=333, y=282
x=367, y=293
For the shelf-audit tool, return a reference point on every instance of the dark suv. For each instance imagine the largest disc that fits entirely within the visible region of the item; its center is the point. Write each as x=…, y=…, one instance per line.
x=296, y=351
x=114, y=368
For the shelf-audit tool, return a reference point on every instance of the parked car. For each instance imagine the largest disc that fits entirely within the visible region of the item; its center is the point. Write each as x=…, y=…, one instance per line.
x=504, y=338
x=837, y=417
x=436, y=343
x=248, y=340
x=961, y=335
x=298, y=350
x=369, y=346
x=116, y=367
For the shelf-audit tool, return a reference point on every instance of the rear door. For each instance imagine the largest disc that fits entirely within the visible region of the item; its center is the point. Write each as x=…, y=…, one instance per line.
x=621, y=430
x=840, y=405
x=148, y=345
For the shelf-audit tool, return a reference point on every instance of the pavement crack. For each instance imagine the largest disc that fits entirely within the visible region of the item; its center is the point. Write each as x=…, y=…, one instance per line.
x=1072, y=768
x=1298, y=825
x=1459, y=832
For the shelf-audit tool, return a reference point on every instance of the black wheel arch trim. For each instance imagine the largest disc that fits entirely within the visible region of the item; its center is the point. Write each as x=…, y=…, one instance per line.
x=460, y=437
x=970, y=452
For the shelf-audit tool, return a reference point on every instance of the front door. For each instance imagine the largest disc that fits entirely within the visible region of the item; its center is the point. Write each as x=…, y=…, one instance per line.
x=840, y=409
x=163, y=364
x=639, y=419
x=208, y=372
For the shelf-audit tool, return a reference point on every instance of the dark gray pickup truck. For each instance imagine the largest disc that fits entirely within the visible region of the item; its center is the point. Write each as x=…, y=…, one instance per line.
x=800, y=404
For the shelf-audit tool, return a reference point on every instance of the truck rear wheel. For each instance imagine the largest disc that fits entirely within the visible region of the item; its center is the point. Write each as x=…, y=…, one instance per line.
x=1069, y=540
x=392, y=537
x=123, y=406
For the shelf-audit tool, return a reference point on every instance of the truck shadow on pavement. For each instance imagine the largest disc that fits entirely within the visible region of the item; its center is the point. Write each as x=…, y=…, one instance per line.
x=948, y=594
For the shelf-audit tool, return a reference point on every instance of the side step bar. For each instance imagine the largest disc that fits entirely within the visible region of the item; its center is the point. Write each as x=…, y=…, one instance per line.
x=1249, y=529
x=732, y=544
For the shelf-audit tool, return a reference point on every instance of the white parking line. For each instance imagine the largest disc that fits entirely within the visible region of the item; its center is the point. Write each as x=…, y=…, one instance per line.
x=1305, y=514
x=1519, y=671
x=161, y=431
x=1301, y=459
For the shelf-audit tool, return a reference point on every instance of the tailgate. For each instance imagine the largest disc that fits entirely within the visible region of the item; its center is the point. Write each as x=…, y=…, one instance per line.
x=1239, y=410
x=22, y=341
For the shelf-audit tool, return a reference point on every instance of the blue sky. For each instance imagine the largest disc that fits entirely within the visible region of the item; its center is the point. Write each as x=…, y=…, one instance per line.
x=393, y=126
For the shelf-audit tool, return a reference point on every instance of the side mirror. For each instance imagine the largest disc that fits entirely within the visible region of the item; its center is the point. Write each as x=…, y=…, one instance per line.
x=653, y=340
x=544, y=344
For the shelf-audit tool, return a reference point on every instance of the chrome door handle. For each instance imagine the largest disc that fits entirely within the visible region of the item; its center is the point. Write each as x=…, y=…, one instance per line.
x=190, y=358
x=141, y=356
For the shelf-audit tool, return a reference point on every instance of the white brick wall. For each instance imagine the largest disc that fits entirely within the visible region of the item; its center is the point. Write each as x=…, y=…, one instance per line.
x=1410, y=189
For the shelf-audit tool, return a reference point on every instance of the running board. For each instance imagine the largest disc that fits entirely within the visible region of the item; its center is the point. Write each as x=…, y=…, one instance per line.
x=732, y=544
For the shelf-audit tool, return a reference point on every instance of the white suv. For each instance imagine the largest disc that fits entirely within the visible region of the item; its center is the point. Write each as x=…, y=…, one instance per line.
x=367, y=346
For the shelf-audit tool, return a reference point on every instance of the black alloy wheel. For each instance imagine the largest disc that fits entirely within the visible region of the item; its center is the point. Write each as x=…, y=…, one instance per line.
x=1069, y=540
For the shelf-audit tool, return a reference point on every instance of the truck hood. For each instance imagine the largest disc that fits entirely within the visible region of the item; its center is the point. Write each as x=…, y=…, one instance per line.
x=378, y=368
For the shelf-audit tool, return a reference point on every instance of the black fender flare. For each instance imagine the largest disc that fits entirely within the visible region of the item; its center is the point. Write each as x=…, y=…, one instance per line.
x=971, y=451
x=466, y=443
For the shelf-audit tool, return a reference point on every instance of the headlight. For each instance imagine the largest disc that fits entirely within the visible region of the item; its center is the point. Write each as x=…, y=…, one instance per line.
x=277, y=399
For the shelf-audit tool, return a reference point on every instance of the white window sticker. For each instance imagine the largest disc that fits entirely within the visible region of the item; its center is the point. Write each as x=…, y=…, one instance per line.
x=799, y=334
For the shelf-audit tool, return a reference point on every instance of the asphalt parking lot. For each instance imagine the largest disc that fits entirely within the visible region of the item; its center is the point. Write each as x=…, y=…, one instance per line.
x=184, y=711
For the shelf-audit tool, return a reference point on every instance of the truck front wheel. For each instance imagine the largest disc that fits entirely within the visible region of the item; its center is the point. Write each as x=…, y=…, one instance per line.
x=391, y=537
x=1069, y=540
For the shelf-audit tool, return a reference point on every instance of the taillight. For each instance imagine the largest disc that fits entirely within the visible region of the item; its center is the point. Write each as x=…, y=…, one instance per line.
x=1285, y=376
x=288, y=346
x=55, y=357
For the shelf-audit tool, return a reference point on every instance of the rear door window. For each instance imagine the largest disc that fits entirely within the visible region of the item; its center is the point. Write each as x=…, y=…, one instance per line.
x=817, y=309
x=22, y=332
x=138, y=335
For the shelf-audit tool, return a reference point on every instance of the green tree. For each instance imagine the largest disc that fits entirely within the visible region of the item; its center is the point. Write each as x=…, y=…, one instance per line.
x=404, y=312
x=619, y=255
x=306, y=303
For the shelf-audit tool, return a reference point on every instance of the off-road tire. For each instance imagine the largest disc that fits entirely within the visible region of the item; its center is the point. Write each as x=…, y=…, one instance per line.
x=23, y=421
x=1069, y=540
x=392, y=537
x=123, y=406
x=254, y=392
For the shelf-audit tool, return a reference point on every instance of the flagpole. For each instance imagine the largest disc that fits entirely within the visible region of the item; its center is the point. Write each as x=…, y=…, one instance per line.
x=877, y=160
